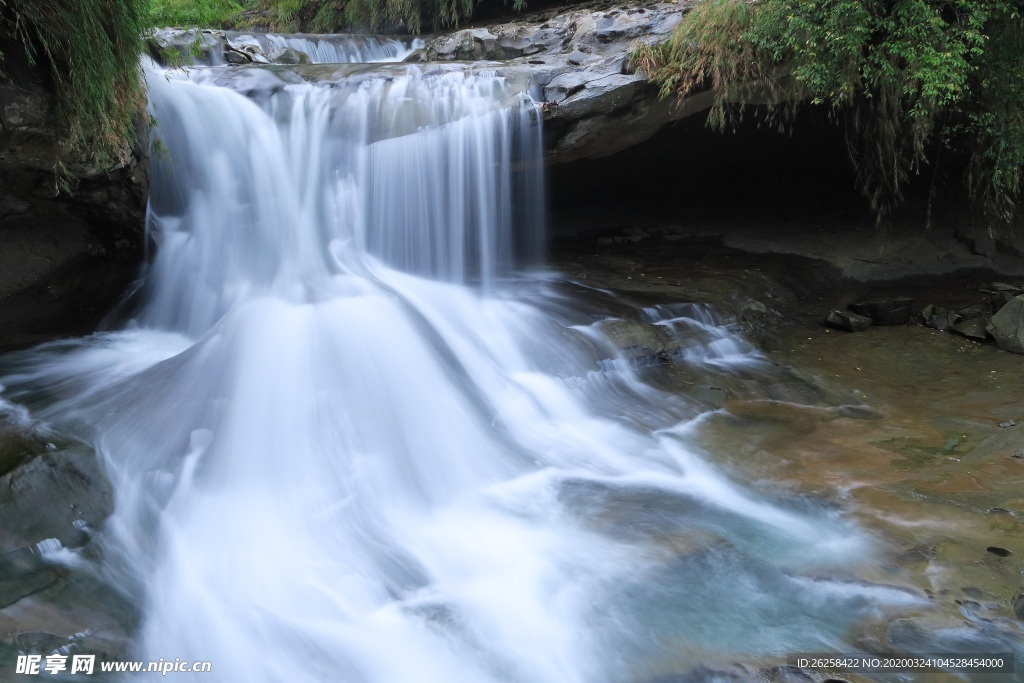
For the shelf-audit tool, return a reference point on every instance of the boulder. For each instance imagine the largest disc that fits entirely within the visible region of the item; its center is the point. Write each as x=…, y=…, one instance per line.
x=846, y=320
x=288, y=55
x=237, y=57
x=885, y=311
x=1007, y=326
x=973, y=328
x=939, y=318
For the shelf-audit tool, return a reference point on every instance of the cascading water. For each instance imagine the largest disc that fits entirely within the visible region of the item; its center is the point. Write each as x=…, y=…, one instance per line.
x=351, y=442
x=328, y=49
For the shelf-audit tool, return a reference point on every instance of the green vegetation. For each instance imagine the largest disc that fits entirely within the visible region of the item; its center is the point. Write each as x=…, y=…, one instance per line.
x=89, y=50
x=205, y=13
x=325, y=16
x=910, y=78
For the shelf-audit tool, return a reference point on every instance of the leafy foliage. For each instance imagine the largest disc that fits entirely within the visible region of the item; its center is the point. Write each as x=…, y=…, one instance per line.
x=89, y=50
x=913, y=76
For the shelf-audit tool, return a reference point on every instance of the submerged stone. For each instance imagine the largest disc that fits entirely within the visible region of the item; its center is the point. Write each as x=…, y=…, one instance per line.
x=638, y=340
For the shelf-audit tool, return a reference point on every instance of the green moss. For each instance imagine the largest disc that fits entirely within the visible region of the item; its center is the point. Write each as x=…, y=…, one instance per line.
x=911, y=77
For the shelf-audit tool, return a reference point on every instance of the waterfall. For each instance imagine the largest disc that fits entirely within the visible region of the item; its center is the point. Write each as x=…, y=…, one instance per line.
x=355, y=436
x=331, y=49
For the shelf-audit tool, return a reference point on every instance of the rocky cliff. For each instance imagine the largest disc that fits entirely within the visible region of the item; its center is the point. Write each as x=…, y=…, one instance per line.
x=578, y=59
x=71, y=241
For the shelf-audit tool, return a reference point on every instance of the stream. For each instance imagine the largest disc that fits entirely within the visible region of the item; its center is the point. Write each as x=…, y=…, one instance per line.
x=357, y=431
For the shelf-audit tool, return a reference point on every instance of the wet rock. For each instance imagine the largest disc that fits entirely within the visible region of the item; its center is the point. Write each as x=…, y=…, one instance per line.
x=77, y=613
x=1007, y=424
x=853, y=412
x=638, y=340
x=998, y=552
x=174, y=46
x=937, y=317
x=288, y=55
x=973, y=328
x=704, y=674
x=597, y=104
x=978, y=310
x=886, y=311
x=1019, y=454
x=786, y=674
x=713, y=397
x=60, y=495
x=24, y=572
x=1007, y=326
x=233, y=56
x=1018, y=605
x=845, y=320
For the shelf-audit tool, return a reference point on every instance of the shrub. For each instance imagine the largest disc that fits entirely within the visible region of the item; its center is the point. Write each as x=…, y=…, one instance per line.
x=913, y=76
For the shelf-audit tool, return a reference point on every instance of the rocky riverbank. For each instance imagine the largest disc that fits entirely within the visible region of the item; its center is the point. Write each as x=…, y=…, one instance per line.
x=932, y=458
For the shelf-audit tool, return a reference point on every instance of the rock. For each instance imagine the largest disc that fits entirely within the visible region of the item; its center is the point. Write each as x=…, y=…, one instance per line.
x=886, y=311
x=978, y=310
x=175, y=46
x=233, y=56
x=787, y=674
x=1019, y=454
x=288, y=55
x=1007, y=326
x=938, y=318
x=579, y=62
x=998, y=552
x=1018, y=606
x=24, y=572
x=638, y=340
x=973, y=328
x=855, y=412
x=845, y=320
x=60, y=495
x=713, y=397
x=1007, y=424
x=66, y=257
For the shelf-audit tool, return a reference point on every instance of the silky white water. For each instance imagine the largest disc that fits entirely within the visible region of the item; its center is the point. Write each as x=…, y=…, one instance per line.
x=352, y=439
x=331, y=49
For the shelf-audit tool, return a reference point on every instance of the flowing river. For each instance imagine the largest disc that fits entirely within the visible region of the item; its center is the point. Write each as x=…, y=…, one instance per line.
x=357, y=433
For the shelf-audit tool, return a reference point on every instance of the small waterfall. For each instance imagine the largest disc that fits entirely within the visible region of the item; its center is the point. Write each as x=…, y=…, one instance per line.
x=331, y=49
x=354, y=438
x=413, y=171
